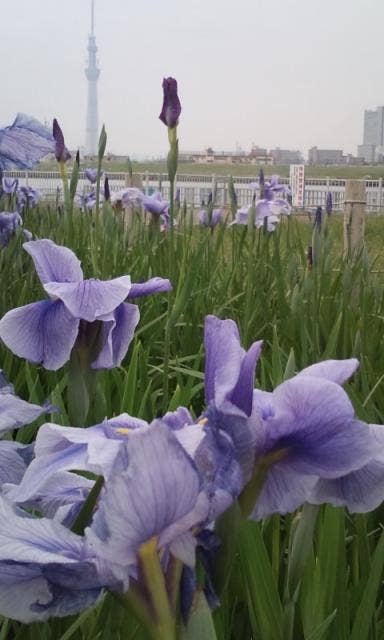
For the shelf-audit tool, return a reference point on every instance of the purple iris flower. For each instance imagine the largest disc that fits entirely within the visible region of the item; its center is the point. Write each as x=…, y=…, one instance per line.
x=171, y=109
x=61, y=152
x=136, y=459
x=10, y=186
x=101, y=450
x=28, y=197
x=272, y=187
x=329, y=203
x=24, y=143
x=9, y=223
x=309, y=434
x=14, y=414
x=127, y=197
x=158, y=497
x=304, y=432
x=45, y=332
x=45, y=569
x=155, y=204
x=216, y=217
x=241, y=216
x=91, y=174
x=264, y=209
x=86, y=201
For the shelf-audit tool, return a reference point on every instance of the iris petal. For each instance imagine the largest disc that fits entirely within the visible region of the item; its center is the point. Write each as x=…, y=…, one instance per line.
x=24, y=143
x=153, y=285
x=54, y=263
x=42, y=332
x=118, y=334
x=90, y=299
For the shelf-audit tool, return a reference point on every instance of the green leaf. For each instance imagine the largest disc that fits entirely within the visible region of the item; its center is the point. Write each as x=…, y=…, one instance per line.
x=200, y=624
x=263, y=596
x=366, y=609
x=321, y=630
x=102, y=143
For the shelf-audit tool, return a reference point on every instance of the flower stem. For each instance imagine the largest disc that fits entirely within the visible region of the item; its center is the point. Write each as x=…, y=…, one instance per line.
x=154, y=580
x=175, y=568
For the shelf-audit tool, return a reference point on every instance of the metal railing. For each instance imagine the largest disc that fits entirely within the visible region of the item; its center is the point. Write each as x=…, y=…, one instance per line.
x=194, y=189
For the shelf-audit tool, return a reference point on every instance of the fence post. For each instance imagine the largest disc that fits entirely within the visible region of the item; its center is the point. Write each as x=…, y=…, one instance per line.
x=354, y=215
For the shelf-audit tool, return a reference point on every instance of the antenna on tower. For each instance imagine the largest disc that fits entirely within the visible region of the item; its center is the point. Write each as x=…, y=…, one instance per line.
x=92, y=17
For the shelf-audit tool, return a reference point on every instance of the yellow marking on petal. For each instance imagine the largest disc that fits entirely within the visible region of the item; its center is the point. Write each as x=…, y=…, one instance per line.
x=202, y=422
x=124, y=430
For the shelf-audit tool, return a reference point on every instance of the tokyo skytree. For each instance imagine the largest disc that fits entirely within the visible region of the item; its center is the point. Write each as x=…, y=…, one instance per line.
x=92, y=73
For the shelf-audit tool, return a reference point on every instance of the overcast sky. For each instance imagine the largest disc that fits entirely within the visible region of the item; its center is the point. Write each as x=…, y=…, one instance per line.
x=288, y=73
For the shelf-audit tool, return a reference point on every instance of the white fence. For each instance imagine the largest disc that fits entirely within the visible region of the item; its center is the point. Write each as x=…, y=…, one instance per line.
x=194, y=189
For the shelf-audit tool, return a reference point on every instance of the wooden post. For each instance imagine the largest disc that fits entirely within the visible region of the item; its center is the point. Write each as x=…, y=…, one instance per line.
x=354, y=215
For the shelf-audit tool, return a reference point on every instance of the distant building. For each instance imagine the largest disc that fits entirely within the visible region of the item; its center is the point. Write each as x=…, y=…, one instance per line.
x=373, y=135
x=325, y=156
x=286, y=156
x=367, y=152
x=260, y=156
x=355, y=160
x=209, y=156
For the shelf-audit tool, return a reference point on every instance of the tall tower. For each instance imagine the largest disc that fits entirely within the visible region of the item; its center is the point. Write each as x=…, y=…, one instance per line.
x=92, y=73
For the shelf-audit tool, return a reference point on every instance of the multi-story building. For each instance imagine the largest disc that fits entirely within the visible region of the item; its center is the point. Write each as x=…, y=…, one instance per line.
x=209, y=156
x=367, y=151
x=373, y=135
x=325, y=156
x=286, y=156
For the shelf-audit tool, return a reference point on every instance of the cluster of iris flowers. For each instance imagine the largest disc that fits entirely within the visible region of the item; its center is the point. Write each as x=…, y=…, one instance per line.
x=161, y=486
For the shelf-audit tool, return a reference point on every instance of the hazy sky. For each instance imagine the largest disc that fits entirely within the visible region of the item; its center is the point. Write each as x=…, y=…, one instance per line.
x=288, y=73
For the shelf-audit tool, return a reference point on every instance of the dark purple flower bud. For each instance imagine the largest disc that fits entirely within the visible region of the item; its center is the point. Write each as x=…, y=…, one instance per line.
x=261, y=177
x=329, y=203
x=318, y=217
x=310, y=257
x=61, y=152
x=107, y=193
x=210, y=197
x=177, y=197
x=171, y=104
x=77, y=159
